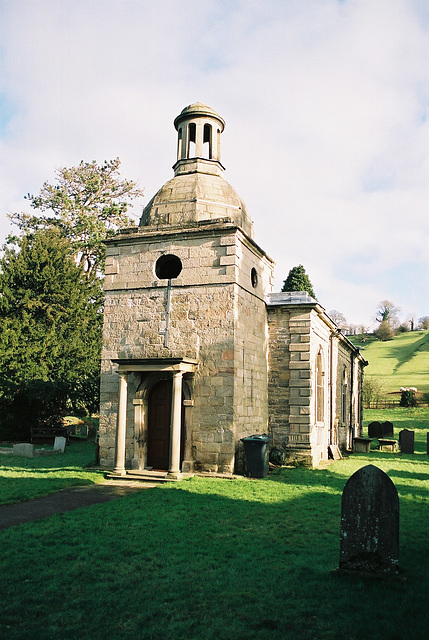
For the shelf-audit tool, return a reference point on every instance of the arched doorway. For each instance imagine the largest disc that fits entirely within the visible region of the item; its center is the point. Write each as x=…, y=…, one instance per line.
x=159, y=426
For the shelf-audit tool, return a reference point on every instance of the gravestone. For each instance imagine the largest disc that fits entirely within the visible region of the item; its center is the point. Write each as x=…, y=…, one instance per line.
x=406, y=441
x=375, y=430
x=84, y=430
x=369, y=537
x=387, y=429
x=24, y=449
x=92, y=434
x=60, y=444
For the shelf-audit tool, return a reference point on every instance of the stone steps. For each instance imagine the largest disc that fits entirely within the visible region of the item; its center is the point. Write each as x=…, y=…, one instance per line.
x=145, y=475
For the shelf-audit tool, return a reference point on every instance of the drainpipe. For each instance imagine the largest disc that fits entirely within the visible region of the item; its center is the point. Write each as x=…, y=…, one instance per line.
x=352, y=376
x=331, y=394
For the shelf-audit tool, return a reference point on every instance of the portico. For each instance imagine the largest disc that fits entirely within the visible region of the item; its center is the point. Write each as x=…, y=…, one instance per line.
x=150, y=372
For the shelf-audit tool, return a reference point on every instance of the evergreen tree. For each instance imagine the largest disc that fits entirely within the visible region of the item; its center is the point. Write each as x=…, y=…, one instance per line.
x=298, y=280
x=50, y=327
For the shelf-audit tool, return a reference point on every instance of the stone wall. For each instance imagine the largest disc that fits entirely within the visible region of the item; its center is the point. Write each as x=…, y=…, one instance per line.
x=297, y=333
x=291, y=384
x=348, y=416
x=217, y=318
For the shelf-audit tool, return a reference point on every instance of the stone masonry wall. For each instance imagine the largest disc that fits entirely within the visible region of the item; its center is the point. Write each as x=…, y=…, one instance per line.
x=207, y=309
x=295, y=336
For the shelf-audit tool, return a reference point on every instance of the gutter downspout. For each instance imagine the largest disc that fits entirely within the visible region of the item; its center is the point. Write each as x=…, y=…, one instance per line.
x=352, y=375
x=331, y=393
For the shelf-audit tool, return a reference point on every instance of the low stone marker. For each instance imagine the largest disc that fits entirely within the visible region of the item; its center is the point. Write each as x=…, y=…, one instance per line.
x=60, y=444
x=361, y=444
x=23, y=449
x=369, y=537
x=406, y=441
x=387, y=444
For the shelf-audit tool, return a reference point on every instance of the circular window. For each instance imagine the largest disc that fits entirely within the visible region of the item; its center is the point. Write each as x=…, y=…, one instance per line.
x=254, y=277
x=168, y=267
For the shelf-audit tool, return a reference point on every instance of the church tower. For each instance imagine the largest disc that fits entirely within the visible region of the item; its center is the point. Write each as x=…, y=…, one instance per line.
x=184, y=362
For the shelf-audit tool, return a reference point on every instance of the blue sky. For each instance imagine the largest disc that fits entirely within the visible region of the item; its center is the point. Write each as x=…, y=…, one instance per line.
x=326, y=105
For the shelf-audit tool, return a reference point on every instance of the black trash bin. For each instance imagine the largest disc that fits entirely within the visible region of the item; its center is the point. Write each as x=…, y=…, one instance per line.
x=256, y=452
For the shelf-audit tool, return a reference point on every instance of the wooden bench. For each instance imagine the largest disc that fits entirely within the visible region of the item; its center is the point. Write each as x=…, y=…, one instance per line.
x=47, y=435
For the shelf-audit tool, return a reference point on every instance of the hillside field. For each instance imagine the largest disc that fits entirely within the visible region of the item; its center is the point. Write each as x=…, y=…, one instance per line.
x=400, y=362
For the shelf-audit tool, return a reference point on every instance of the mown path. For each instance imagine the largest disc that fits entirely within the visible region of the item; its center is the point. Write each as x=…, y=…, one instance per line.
x=66, y=500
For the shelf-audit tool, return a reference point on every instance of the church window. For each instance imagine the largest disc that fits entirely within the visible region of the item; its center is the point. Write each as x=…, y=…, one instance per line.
x=254, y=277
x=344, y=398
x=192, y=137
x=320, y=387
x=168, y=267
x=207, y=142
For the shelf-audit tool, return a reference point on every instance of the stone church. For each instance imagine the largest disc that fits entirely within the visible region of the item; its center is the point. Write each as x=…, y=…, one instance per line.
x=197, y=350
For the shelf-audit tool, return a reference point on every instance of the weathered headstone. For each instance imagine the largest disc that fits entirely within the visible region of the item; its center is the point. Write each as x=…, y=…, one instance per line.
x=387, y=429
x=369, y=538
x=406, y=441
x=24, y=449
x=84, y=430
x=375, y=430
x=60, y=444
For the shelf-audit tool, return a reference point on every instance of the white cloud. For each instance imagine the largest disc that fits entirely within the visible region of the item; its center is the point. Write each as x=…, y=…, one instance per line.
x=326, y=106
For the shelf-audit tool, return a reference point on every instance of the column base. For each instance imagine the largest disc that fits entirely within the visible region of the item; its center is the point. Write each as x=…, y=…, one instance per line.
x=119, y=472
x=174, y=475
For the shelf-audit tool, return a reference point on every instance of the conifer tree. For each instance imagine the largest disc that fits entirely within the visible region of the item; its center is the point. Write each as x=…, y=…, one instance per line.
x=298, y=280
x=87, y=204
x=50, y=324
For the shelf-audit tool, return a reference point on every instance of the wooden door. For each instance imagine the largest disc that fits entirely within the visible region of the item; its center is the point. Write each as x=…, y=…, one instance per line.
x=159, y=419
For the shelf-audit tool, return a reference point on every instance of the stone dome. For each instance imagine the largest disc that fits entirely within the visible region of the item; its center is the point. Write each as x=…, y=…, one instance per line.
x=198, y=192
x=196, y=110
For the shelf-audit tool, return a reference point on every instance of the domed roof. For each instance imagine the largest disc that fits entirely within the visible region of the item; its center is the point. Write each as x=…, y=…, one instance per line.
x=196, y=197
x=198, y=109
x=198, y=192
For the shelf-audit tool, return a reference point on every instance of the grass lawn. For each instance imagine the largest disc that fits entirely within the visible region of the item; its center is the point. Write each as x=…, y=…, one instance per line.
x=25, y=478
x=400, y=362
x=217, y=559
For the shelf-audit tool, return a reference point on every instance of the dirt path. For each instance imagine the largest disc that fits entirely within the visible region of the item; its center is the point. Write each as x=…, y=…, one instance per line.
x=66, y=500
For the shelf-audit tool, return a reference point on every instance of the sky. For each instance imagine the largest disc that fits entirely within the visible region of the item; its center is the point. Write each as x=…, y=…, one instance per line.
x=326, y=105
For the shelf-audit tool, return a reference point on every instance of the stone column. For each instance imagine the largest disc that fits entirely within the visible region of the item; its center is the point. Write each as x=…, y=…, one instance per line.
x=176, y=425
x=122, y=423
x=199, y=140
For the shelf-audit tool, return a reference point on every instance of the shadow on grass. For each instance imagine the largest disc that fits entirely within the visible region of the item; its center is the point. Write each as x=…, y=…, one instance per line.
x=402, y=354
x=13, y=490
x=211, y=559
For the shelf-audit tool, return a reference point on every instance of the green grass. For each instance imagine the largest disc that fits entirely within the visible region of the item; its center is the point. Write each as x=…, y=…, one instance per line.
x=219, y=559
x=416, y=419
x=26, y=478
x=400, y=362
